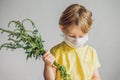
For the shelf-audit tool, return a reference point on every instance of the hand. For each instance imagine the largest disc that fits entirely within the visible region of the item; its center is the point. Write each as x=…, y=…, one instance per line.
x=48, y=58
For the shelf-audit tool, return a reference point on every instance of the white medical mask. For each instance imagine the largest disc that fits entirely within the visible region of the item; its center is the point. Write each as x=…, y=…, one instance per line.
x=75, y=42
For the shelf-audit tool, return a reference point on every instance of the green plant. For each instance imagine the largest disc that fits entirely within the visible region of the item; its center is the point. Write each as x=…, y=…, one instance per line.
x=30, y=41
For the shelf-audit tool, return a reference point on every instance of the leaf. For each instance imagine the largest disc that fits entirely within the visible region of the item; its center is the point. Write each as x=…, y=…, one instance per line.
x=29, y=40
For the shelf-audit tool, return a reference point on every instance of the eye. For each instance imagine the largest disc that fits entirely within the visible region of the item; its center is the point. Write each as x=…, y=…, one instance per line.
x=81, y=36
x=75, y=36
x=72, y=36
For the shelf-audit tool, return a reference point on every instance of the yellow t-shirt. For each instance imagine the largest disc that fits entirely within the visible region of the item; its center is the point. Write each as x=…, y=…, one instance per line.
x=80, y=63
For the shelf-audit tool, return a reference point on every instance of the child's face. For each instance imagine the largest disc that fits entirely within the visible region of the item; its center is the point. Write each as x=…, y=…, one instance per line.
x=73, y=31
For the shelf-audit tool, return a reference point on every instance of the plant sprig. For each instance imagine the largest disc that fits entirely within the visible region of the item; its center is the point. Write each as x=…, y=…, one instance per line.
x=30, y=41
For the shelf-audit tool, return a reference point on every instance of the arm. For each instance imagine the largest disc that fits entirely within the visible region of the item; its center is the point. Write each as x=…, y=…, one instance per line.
x=95, y=75
x=49, y=70
x=49, y=73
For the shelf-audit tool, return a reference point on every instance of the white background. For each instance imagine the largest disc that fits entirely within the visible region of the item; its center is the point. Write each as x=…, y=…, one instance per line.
x=104, y=36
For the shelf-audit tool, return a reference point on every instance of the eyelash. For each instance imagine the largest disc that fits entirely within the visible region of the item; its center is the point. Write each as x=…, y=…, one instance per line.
x=75, y=37
x=72, y=36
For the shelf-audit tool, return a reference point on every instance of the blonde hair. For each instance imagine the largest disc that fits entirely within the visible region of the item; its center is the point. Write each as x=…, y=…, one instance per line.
x=78, y=15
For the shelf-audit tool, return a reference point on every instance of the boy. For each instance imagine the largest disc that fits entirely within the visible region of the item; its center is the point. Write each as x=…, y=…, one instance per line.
x=80, y=59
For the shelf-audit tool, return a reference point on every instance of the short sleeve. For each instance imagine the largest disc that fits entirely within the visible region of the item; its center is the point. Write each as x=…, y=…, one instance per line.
x=96, y=63
x=52, y=52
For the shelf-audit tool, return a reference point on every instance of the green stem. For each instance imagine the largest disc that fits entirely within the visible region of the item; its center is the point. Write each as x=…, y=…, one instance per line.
x=63, y=71
x=32, y=44
x=8, y=31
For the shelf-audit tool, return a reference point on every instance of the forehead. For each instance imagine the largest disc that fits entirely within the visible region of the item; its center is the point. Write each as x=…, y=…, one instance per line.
x=74, y=30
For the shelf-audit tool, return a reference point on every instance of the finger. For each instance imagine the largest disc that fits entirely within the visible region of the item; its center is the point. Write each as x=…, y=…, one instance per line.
x=52, y=59
x=47, y=57
x=46, y=54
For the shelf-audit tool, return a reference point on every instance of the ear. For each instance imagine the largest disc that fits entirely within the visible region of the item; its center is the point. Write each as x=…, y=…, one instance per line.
x=61, y=27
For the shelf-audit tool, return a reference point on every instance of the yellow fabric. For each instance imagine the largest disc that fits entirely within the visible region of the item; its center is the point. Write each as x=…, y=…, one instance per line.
x=79, y=62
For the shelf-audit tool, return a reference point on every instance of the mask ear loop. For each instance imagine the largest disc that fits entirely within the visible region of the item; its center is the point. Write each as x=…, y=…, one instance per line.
x=86, y=36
